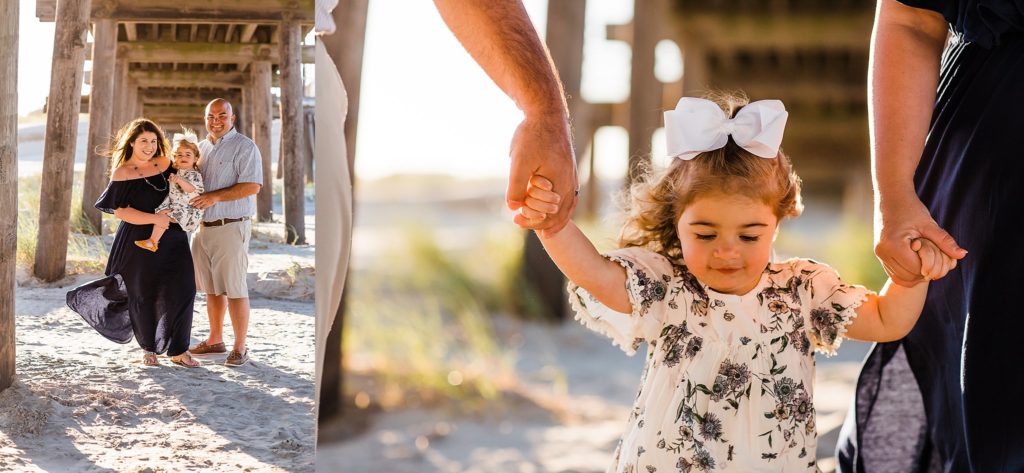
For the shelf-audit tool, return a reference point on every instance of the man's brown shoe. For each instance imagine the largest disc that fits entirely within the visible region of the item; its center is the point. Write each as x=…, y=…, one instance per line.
x=203, y=348
x=237, y=359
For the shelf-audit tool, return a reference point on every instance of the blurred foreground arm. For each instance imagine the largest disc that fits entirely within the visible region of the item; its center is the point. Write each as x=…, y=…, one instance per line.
x=499, y=36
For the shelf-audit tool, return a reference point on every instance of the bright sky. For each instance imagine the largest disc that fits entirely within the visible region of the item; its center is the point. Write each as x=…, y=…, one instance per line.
x=35, y=53
x=426, y=107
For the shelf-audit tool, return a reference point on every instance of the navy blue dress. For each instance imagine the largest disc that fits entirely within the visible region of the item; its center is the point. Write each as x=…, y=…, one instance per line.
x=948, y=397
x=145, y=294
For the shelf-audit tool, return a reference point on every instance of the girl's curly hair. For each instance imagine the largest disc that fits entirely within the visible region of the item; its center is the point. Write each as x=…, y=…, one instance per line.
x=656, y=202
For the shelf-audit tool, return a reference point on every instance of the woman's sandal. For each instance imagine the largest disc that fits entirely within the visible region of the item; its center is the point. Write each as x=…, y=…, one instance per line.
x=147, y=245
x=186, y=360
x=149, y=359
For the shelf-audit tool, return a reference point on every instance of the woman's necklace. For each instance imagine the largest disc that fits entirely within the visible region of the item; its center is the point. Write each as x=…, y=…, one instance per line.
x=144, y=178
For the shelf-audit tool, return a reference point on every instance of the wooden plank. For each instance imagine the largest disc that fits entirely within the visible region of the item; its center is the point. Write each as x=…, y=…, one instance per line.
x=262, y=110
x=187, y=110
x=189, y=79
x=644, y=88
x=247, y=32
x=187, y=11
x=203, y=52
x=61, y=134
x=291, y=134
x=8, y=185
x=101, y=97
x=186, y=96
x=131, y=31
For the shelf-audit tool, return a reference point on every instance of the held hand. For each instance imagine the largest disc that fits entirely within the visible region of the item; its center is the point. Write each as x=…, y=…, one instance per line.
x=540, y=202
x=204, y=201
x=934, y=263
x=174, y=178
x=542, y=146
x=900, y=224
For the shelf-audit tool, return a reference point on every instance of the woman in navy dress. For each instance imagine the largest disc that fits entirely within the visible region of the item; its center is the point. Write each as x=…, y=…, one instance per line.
x=947, y=96
x=148, y=295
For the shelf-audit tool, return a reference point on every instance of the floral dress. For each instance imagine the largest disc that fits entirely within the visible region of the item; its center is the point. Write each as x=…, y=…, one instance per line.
x=728, y=382
x=177, y=201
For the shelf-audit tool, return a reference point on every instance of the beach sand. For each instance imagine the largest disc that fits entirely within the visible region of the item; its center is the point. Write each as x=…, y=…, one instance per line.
x=82, y=403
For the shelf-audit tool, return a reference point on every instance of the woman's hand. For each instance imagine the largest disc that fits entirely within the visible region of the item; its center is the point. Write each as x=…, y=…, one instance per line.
x=898, y=226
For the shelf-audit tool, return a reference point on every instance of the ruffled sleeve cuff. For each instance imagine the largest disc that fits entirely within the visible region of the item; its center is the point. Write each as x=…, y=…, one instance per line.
x=114, y=197
x=647, y=277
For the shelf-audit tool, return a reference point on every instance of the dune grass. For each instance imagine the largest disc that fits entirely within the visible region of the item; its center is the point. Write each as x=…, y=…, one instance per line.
x=85, y=253
x=421, y=323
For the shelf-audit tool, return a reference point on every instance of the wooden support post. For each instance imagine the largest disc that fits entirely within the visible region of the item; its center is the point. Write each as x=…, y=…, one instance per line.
x=61, y=134
x=243, y=123
x=8, y=184
x=644, y=88
x=291, y=132
x=120, y=115
x=261, y=121
x=309, y=139
x=101, y=98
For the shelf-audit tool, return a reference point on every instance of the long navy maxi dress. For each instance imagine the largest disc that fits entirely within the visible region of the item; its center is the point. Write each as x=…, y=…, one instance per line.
x=948, y=397
x=146, y=294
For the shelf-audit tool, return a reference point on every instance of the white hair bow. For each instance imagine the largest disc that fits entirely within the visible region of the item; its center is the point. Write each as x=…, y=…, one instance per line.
x=698, y=125
x=188, y=135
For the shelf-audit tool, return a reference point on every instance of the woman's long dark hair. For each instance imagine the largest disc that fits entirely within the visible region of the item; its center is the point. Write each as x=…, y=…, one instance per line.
x=123, y=148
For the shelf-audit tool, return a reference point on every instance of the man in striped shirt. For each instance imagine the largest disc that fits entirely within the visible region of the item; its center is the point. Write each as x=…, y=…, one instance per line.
x=232, y=174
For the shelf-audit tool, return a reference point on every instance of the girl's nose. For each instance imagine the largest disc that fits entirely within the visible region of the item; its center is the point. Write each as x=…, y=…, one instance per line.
x=726, y=252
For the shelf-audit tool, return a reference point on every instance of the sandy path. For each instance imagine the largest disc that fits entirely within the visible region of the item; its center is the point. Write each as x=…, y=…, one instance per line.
x=83, y=403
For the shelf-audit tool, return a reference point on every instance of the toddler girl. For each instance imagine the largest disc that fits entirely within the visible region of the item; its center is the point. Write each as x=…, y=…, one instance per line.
x=186, y=184
x=731, y=335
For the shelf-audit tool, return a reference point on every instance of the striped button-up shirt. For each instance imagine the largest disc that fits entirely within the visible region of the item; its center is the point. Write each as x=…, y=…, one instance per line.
x=234, y=159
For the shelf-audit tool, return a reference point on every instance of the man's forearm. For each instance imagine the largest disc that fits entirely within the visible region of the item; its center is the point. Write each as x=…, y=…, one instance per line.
x=499, y=36
x=235, y=192
x=905, y=49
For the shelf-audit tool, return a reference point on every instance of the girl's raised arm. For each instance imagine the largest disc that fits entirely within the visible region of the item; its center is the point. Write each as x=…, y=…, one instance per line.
x=573, y=252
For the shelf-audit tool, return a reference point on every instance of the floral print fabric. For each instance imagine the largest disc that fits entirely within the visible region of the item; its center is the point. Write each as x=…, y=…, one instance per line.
x=728, y=381
x=177, y=201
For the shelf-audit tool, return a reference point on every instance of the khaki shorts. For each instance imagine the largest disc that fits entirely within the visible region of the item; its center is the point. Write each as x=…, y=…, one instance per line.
x=221, y=257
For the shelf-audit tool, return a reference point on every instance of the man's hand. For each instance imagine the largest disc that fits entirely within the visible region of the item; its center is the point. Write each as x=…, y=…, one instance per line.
x=543, y=147
x=899, y=225
x=204, y=201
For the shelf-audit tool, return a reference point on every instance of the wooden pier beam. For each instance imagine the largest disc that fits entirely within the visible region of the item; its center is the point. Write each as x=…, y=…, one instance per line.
x=61, y=134
x=8, y=184
x=261, y=124
x=644, y=88
x=291, y=133
x=120, y=114
x=101, y=104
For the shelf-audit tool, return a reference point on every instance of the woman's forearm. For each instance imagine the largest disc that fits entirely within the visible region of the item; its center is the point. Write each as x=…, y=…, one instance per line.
x=580, y=261
x=906, y=47
x=134, y=216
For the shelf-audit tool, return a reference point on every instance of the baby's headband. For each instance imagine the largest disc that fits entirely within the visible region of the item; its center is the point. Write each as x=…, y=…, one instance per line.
x=699, y=125
x=188, y=135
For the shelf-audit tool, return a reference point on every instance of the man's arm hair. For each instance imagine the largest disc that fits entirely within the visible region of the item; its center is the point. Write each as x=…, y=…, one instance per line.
x=501, y=38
